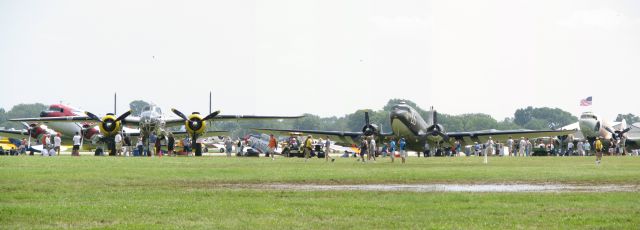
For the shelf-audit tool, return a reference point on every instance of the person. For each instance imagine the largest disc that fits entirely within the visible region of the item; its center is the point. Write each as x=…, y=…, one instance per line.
x=171, y=144
x=45, y=144
x=186, y=144
x=52, y=152
x=56, y=143
x=23, y=146
x=521, y=146
x=127, y=145
x=510, y=146
x=403, y=150
x=392, y=149
x=490, y=143
x=158, y=146
x=385, y=149
x=273, y=145
x=228, y=145
x=151, y=144
x=427, y=150
x=76, y=145
x=371, y=143
x=307, y=148
x=569, y=149
x=529, y=148
x=587, y=148
x=580, y=147
x=598, y=147
x=140, y=145
x=458, y=147
x=363, y=149
x=118, y=140
x=327, y=150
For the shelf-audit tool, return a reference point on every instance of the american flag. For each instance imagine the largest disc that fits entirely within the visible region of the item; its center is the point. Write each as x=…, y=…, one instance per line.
x=586, y=102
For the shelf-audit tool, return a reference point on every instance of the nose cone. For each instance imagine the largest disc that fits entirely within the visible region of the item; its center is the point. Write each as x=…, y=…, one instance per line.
x=590, y=127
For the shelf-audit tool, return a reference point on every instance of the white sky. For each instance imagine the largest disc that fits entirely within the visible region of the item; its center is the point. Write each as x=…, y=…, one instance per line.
x=322, y=57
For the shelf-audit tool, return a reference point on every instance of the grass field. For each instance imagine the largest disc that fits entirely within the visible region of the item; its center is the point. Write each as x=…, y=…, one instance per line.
x=109, y=192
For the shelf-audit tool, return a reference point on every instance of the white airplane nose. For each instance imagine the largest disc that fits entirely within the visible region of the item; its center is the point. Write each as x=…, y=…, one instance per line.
x=588, y=127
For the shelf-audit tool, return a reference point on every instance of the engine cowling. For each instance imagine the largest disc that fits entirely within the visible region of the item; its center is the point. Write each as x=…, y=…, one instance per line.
x=195, y=124
x=110, y=126
x=370, y=129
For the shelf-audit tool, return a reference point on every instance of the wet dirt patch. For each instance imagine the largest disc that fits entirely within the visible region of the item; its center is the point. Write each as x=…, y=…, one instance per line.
x=483, y=188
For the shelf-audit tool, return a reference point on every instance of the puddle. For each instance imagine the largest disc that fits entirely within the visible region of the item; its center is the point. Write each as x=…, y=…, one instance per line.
x=485, y=188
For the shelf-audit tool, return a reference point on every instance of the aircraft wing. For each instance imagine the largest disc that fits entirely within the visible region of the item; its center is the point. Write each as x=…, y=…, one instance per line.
x=78, y=119
x=344, y=138
x=55, y=119
x=503, y=135
x=182, y=134
x=15, y=134
x=179, y=121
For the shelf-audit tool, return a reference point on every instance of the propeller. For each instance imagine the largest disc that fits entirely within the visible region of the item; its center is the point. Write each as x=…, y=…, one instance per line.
x=30, y=128
x=108, y=123
x=436, y=129
x=195, y=122
x=368, y=129
x=617, y=134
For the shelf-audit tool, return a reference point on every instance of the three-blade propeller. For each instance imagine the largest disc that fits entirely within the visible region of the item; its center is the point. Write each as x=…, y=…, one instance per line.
x=436, y=129
x=617, y=134
x=108, y=123
x=195, y=122
x=368, y=129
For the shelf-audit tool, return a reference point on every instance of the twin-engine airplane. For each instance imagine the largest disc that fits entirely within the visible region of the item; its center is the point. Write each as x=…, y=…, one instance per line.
x=407, y=123
x=592, y=126
x=151, y=120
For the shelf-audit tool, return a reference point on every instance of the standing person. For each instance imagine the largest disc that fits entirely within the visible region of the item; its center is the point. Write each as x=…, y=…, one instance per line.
x=569, y=149
x=426, y=149
x=127, y=145
x=372, y=147
x=392, y=149
x=158, y=146
x=307, y=148
x=118, y=140
x=76, y=145
x=228, y=145
x=45, y=144
x=140, y=145
x=510, y=146
x=521, y=146
x=23, y=146
x=529, y=148
x=56, y=143
x=403, y=150
x=171, y=144
x=580, y=148
x=598, y=146
x=151, y=144
x=587, y=148
x=273, y=144
x=327, y=150
x=385, y=149
x=489, y=150
x=363, y=148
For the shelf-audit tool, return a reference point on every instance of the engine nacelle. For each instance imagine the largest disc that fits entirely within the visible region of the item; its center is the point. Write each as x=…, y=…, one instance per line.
x=195, y=124
x=110, y=126
x=370, y=129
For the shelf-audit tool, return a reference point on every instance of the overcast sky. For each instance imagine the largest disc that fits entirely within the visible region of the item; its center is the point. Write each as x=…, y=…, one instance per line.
x=322, y=57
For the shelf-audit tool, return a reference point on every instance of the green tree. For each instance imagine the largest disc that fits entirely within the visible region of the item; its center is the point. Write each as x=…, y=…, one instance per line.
x=554, y=118
x=21, y=111
x=630, y=118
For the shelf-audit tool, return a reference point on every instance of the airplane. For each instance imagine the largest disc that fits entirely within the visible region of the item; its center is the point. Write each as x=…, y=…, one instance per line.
x=151, y=120
x=591, y=126
x=407, y=123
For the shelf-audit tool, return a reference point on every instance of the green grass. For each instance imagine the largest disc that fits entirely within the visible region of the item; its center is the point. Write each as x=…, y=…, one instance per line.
x=109, y=192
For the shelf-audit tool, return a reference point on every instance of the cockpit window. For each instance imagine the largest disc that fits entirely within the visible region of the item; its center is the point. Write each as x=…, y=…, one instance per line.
x=400, y=107
x=588, y=116
x=158, y=110
x=146, y=108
